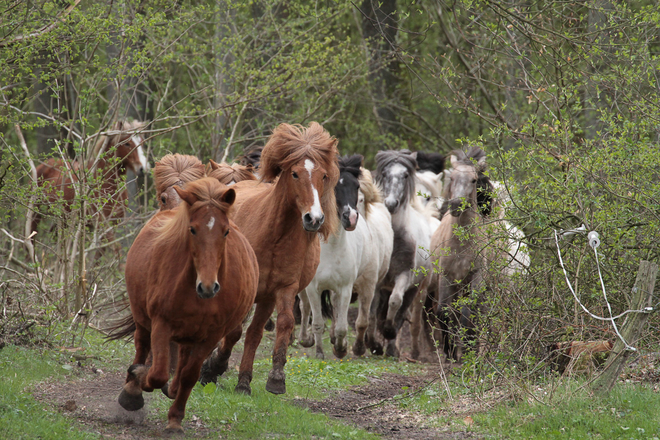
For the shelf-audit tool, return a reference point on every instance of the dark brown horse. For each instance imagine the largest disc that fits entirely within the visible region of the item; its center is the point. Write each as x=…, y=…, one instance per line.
x=118, y=153
x=283, y=222
x=175, y=170
x=191, y=278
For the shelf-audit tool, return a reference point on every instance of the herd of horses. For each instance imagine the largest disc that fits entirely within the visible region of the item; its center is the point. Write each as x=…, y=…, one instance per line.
x=297, y=220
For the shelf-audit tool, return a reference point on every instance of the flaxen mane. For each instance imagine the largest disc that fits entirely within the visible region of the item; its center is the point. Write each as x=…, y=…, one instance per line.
x=288, y=145
x=369, y=190
x=174, y=228
x=176, y=169
x=227, y=174
x=123, y=127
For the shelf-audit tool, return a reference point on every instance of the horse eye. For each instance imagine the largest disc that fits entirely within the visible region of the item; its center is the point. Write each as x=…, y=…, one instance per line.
x=227, y=233
x=192, y=231
x=474, y=181
x=163, y=199
x=295, y=175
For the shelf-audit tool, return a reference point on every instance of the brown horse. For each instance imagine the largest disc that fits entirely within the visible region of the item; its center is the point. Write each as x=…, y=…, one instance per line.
x=119, y=152
x=283, y=222
x=175, y=170
x=191, y=278
x=230, y=174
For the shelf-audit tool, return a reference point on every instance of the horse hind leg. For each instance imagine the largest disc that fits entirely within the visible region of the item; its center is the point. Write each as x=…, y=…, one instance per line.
x=130, y=397
x=342, y=301
x=365, y=297
x=218, y=361
x=304, y=336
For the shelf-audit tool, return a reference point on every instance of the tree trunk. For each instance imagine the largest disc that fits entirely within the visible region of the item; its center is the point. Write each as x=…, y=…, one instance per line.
x=642, y=295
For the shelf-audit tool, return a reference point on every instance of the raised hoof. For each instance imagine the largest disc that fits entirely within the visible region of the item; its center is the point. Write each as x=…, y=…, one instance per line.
x=306, y=342
x=389, y=332
x=339, y=354
x=208, y=373
x=242, y=388
x=166, y=391
x=276, y=386
x=270, y=325
x=130, y=402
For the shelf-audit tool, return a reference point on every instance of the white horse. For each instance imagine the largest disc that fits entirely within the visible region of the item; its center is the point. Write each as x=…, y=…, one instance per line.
x=355, y=259
x=395, y=173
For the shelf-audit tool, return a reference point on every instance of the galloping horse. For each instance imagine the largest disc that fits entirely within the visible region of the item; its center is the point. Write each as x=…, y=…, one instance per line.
x=118, y=153
x=283, y=222
x=395, y=173
x=191, y=278
x=175, y=170
x=354, y=260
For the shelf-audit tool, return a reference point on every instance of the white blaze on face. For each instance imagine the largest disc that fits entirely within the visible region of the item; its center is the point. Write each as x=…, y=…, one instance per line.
x=397, y=172
x=211, y=223
x=316, y=212
x=137, y=140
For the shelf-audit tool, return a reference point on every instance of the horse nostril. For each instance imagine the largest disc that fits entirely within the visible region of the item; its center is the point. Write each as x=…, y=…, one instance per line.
x=321, y=219
x=307, y=218
x=216, y=287
x=200, y=289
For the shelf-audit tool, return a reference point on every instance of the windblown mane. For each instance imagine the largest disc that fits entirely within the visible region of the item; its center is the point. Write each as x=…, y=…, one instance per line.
x=385, y=159
x=122, y=126
x=227, y=174
x=176, y=169
x=173, y=229
x=252, y=157
x=434, y=162
x=369, y=190
x=288, y=145
x=485, y=189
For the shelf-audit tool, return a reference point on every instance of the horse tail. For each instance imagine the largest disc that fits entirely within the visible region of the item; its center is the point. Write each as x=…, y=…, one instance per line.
x=122, y=328
x=327, y=311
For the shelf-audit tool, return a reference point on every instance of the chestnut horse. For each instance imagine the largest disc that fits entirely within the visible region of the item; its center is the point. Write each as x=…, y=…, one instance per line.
x=175, y=170
x=191, y=278
x=230, y=174
x=283, y=222
x=119, y=152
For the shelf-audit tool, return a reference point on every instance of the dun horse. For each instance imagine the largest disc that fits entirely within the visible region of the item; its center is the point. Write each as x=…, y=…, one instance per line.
x=191, y=278
x=283, y=222
x=119, y=152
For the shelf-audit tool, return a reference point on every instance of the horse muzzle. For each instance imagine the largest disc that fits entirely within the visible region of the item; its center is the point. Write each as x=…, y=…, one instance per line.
x=207, y=291
x=392, y=205
x=457, y=207
x=349, y=218
x=312, y=224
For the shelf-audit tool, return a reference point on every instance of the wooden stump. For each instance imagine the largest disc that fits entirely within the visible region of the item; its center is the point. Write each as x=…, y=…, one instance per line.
x=642, y=295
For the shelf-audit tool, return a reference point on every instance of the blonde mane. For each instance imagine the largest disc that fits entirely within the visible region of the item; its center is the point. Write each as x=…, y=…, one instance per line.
x=290, y=144
x=369, y=189
x=227, y=174
x=172, y=229
x=176, y=169
x=122, y=126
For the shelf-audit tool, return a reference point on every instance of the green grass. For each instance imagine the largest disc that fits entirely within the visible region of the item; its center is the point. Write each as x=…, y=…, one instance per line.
x=21, y=416
x=629, y=412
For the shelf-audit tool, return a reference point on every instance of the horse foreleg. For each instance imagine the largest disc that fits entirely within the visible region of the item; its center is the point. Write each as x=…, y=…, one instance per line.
x=341, y=304
x=252, y=338
x=284, y=301
x=417, y=323
x=218, y=362
x=365, y=297
x=305, y=338
x=190, y=362
x=375, y=315
x=395, y=302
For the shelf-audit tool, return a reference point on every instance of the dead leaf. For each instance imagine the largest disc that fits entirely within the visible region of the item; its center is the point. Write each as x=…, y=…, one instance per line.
x=468, y=421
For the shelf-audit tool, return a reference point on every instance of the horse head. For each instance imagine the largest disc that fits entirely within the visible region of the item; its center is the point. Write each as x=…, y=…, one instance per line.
x=175, y=170
x=395, y=173
x=129, y=149
x=305, y=159
x=347, y=189
x=207, y=201
x=230, y=174
x=461, y=191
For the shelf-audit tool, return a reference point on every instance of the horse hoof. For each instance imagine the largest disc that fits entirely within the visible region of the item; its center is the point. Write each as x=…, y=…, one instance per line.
x=389, y=332
x=339, y=354
x=377, y=350
x=276, y=386
x=414, y=354
x=270, y=325
x=358, y=349
x=320, y=355
x=242, y=388
x=130, y=402
x=166, y=391
x=392, y=352
x=309, y=342
x=173, y=429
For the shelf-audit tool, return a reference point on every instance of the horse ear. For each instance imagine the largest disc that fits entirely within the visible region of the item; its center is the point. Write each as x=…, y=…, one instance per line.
x=119, y=125
x=228, y=196
x=454, y=160
x=189, y=197
x=214, y=165
x=481, y=164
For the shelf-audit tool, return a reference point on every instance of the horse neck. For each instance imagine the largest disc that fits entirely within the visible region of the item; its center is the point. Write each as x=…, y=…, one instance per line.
x=282, y=213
